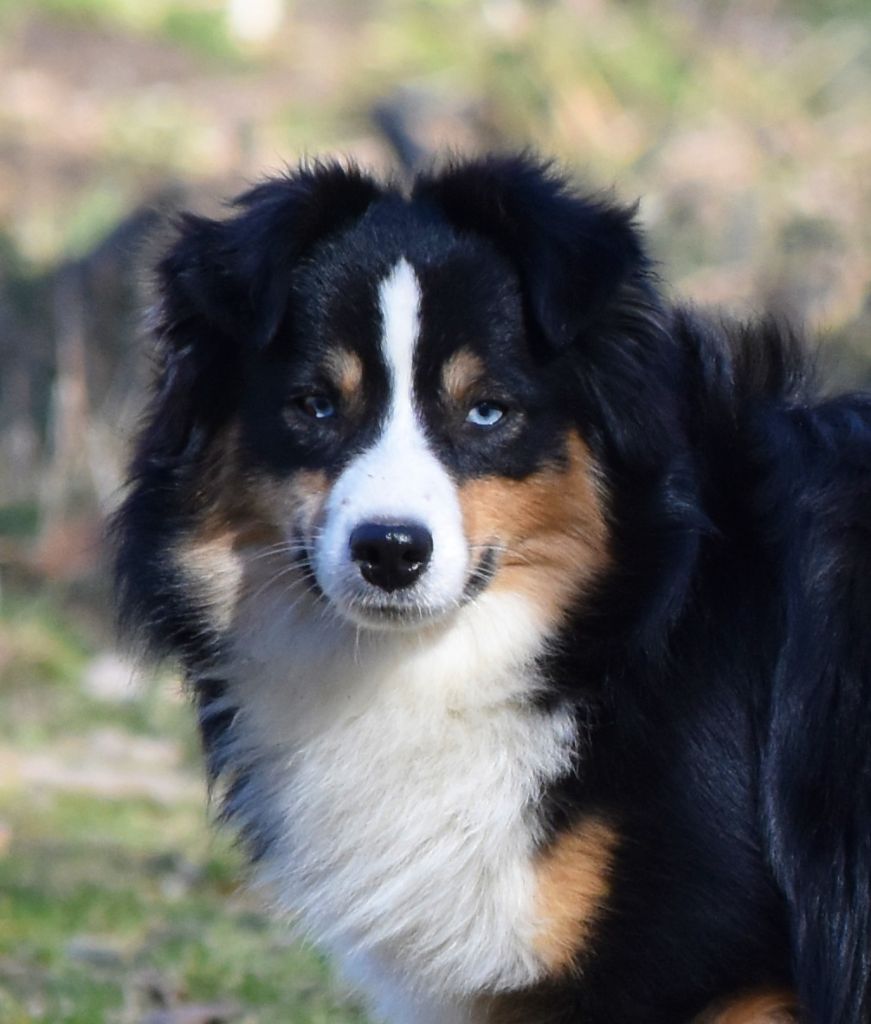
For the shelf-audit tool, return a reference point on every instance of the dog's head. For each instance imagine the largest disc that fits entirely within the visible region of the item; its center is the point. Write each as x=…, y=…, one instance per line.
x=372, y=402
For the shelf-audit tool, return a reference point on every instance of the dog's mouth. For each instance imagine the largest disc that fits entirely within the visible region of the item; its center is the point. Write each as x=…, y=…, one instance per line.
x=367, y=606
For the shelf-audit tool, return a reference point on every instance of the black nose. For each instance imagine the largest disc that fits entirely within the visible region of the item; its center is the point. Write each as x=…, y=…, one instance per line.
x=391, y=555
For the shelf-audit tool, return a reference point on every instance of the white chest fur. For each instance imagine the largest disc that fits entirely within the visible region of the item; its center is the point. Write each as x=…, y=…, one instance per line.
x=400, y=778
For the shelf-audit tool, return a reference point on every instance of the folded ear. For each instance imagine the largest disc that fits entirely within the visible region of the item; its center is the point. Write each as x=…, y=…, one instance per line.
x=223, y=287
x=573, y=253
x=232, y=274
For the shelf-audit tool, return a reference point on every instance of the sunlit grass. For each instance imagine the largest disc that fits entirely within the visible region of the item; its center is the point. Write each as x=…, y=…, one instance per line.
x=100, y=898
x=112, y=882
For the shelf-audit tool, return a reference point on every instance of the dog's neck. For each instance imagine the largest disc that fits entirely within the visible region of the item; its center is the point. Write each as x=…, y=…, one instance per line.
x=397, y=777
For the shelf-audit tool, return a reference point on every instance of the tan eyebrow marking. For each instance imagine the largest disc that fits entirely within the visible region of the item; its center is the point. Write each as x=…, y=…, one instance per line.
x=346, y=370
x=460, y=374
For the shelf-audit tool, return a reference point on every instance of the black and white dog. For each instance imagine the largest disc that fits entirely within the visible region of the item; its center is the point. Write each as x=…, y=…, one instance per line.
x=528, y=617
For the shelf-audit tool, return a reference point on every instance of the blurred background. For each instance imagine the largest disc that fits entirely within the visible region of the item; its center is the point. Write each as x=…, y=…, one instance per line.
x=744, y=129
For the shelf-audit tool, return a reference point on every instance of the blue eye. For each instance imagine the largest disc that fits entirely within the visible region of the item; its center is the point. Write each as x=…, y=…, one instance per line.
x=485, y=414
x=319, y=407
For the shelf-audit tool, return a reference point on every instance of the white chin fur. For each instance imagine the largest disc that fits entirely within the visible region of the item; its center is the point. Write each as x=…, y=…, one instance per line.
x=394, y=618
x=399, y=776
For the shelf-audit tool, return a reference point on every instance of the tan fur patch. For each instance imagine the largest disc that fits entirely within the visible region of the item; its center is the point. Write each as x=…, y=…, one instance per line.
x=460, y=374
x=298, y=500
x=775, y=1006
x=346, y=372
x=573, y=885
x=550, y=529
x=238, y=543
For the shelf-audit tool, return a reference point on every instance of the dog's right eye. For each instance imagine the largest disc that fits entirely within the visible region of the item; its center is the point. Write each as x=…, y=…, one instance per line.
x=318, y=407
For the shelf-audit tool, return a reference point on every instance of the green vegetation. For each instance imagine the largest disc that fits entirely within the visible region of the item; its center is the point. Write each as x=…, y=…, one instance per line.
x=199, y=26
x=733, y=121
x=115, y=895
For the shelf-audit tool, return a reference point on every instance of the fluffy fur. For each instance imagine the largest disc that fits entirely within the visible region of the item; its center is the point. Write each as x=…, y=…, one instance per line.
x=598, y=748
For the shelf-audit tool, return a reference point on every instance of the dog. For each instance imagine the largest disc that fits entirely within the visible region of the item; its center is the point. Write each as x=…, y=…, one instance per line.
x=527, y=613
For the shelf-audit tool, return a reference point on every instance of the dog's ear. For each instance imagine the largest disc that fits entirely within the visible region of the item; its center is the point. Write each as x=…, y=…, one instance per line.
x=231, y=275
x=223, y=286
x=573, y=253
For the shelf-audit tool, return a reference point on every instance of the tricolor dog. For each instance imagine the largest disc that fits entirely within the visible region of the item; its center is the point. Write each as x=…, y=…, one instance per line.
x=528, y=615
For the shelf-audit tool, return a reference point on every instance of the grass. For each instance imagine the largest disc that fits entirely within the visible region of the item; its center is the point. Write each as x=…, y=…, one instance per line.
x=116, y=896
x=100, y=905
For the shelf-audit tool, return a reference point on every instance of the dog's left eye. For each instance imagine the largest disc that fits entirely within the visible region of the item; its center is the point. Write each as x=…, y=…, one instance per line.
x=485, y=414
x=318, y=407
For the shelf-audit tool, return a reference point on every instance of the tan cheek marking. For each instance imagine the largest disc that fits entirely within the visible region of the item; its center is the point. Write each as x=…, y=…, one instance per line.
x=573, y=883
x=242, y=514
x=551, y=524
x=229, y=498
x=346, y=370
x=776, y=1006
x=298, y=500
x=216, y=571
x=460, y=374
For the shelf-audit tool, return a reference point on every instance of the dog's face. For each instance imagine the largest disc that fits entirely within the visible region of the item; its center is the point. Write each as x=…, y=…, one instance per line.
x=378, y=416
x=417, y=454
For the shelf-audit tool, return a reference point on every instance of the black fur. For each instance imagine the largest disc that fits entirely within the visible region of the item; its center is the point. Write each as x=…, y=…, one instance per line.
x=722, y=668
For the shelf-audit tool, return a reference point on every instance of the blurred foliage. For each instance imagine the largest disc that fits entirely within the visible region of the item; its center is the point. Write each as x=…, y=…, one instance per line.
x=201, y=26
x=115, y=897
x=732, y=121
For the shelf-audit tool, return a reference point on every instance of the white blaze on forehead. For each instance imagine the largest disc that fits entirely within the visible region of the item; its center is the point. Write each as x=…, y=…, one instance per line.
x=399, y=299
x=399, y=479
